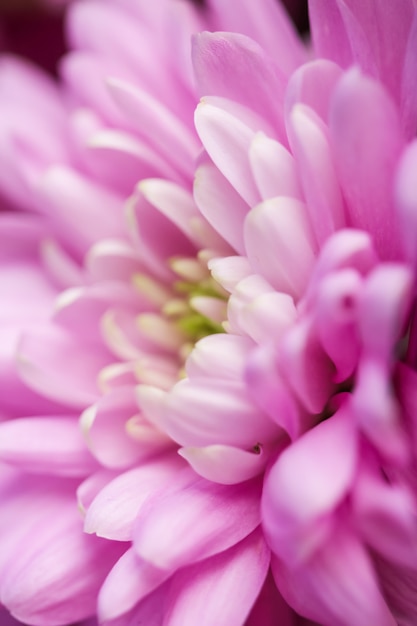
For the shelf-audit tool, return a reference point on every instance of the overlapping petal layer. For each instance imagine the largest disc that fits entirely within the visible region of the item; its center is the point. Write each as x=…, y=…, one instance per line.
x=297, y=239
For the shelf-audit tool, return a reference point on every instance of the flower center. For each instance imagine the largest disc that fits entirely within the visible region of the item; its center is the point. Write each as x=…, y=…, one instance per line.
x=192, y=307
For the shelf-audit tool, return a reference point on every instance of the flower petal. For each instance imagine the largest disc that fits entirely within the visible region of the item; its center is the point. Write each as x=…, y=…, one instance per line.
x=206, y=412
x=339, y=585
x=367, y=140
x=129, y=581
x=227, y=140
x=52, y=445
x=273, y=168
x=267, y=23
x=204, y=519
x=113, y=511
x=233, y=66
x=310, y=145
x=243, y=566
x=306, y=484
x=72, y=380
x=213, y=193
x=224, y=464
x=279, y=243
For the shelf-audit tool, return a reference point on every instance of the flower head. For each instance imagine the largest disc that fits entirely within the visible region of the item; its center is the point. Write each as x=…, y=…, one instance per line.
x=258, y=321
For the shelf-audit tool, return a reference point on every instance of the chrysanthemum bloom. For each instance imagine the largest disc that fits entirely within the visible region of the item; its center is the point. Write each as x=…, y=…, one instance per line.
x=132, y=302
x=292, y=160
x=310, y=181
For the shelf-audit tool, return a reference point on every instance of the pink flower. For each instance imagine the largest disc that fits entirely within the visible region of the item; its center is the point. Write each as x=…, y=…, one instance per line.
x=296, y=239
x=120, y=301
x=316, y=177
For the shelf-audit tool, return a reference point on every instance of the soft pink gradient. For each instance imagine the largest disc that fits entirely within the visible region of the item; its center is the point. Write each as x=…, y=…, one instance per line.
x=320, y=213
x=101, y=275
x=294, y=428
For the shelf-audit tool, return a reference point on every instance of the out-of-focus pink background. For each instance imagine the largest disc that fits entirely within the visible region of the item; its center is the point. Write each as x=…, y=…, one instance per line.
x=33, y=28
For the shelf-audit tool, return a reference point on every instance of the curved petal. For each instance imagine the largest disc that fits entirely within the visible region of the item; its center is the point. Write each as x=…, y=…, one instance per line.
x=224, y=464
x=233, y=66
x=113, y=511
x=243, y=566
x=280, y=245
x=73, y=380
x=204, y=519
x=311, y=147
x=367, y=140
x=274, y=169
x=52, y=445
x=306, y=484
x=129, y=581
x=267, y=23
x=339, y=585
x=206, y=412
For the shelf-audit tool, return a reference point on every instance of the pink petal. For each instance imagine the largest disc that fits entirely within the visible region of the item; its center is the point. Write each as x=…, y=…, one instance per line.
x=85, y=76
x=268, y=24
x=102, y=28
x=206, y=412
x=112, y=259
x=378, y=34
x=162, y=129
x=273, y=169
x=306, y=484
x=260, y=319
x=107, y=430
x=242, y=567
x=408, y=87
x=227, y=140
x=312, y=85
x=233, y=66
x=86, y=211
x=157, y=236
x=330, y=39
x=212, y=193
x=339, y=585
x=21, y=80
x=350, y=249
x=115, y=158
x=378, y=412
x=80, y=309
x=229, y=271
x=406, y=199
x=204, y=519
x=244, y=294
x=60, y=264
x=305, y=365
x=91, y=486
x=69, y=564
x=366, y=139
x=172, y=201
x=20, y=234
x=279, y=244
x=385, y=516
x=337, y=312
x=53, y=445
x=310, y=145
x=129, y=581
x=384, y=307
x=219, y=356
x=224, y=464
x=72, y=381
x=149, y=611
x=113, y=511
x=268, y=389
x=399, y=586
